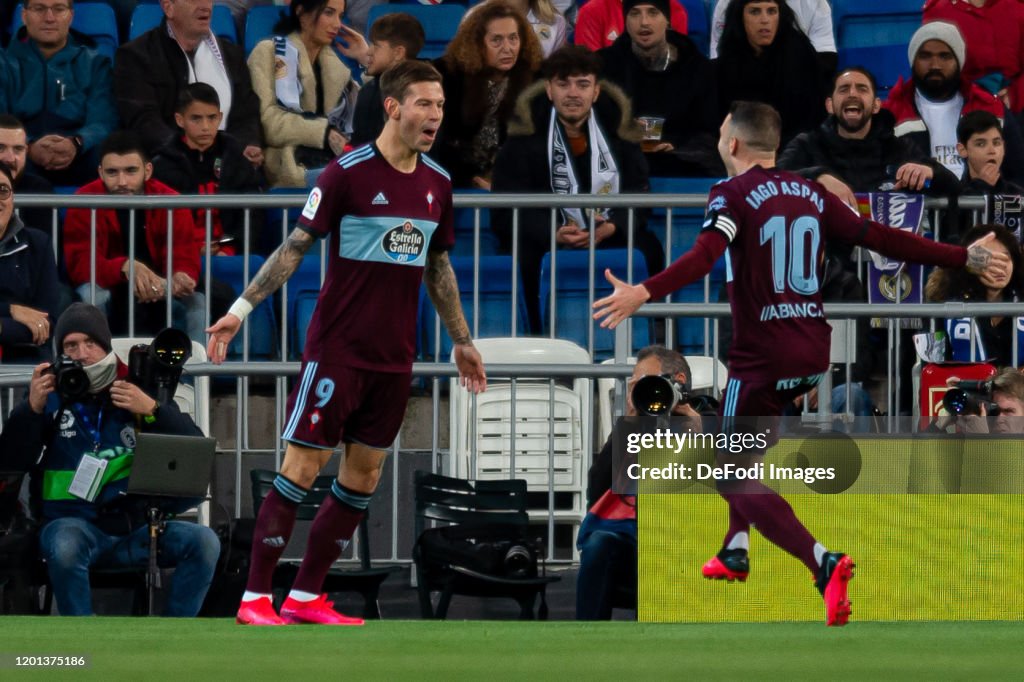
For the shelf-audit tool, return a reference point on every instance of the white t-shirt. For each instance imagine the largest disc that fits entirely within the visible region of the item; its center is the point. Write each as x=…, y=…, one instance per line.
x=813, y=16
x=941, y=119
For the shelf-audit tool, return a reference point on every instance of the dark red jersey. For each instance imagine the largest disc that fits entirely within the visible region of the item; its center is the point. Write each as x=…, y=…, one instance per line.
x=381, y=223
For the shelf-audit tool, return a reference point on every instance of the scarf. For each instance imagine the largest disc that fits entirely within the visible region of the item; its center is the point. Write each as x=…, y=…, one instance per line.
x=101, y=374
x=288, y=88
x=604, y=174
x=207, y=66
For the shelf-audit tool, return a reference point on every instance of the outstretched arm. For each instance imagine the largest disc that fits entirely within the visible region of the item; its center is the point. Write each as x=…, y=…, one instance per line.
x=444, y=292
x=278, y=268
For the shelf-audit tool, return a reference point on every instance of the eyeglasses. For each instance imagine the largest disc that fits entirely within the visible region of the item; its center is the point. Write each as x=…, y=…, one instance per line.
x=5, y=192
x=58, y=11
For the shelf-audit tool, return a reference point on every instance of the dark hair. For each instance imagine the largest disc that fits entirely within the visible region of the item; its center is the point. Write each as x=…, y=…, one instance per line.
x=395, y=82
x=571, y=60
x=854, y=69
x=757, y=124
x=289, y=23
x=8, y=171
x=976, y=122
x=122, y=143
x=10, y=122
x=400, y=29
x=197, y=92
x=672, y=361
x=734, y=36
x=945, y=284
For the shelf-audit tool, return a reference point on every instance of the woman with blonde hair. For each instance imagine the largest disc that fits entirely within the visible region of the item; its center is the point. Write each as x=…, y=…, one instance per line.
x=307, y=95
x=493, y=57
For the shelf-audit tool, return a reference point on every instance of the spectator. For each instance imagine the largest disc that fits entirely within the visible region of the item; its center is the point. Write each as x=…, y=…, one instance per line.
x=671, y=82
x=14, y=153
x=607, y=537
x=814, y=17
x=307, y=95
x=358, y=13
x=490, y=61
x=571, y=135
x=993, y=337
x=856, y=150
x=601, y=22
x=993, y=32
x=979, y=142
x=108, y=530
x=125, y=170
x=548, y=24
x=928, y=106
x=205, y=160
x=59, y=87
x=764, y=57
x=151, y=70
x=28, y=283
x=394, y=37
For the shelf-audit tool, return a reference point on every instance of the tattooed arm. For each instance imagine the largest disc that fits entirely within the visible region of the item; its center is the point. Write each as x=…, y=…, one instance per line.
x=444, y=292
x=278, y=268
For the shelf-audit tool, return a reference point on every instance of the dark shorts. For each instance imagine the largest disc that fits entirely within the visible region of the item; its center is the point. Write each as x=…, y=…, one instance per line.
x=332, y=404
x=756, y=405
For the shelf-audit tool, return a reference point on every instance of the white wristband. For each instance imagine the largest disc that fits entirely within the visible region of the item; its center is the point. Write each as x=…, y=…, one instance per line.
x=240, y=308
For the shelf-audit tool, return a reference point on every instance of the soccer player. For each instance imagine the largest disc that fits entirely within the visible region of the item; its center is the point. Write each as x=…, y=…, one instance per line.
x=772, y=225
x=387, y=208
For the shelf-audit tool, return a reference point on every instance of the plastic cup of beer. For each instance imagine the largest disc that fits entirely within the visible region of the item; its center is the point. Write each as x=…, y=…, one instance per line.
x=652, y=127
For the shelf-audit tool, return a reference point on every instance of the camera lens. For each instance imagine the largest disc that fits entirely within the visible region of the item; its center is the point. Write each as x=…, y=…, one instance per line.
x=654, y=396
x=518, y=561
x=958, y=401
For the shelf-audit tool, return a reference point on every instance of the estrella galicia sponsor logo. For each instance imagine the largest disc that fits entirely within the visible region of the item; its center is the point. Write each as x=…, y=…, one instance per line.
x=404, y=243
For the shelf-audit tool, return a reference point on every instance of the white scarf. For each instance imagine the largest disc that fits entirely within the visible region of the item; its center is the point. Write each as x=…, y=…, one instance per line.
x=604, y=174
x=288, y=88
x=207, y=66
x=101, y=374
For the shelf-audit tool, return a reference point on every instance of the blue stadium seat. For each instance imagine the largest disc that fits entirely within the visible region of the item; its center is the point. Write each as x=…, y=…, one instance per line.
x=305, y=304
x=875, y=34
x=573, y=302
x=440, y=22
x=698, y=24
x=94, y=19
x=495, y=300
x=465, y=220
x=303, y=290
x=259, y=24
x=147, y=16
x=262, y=325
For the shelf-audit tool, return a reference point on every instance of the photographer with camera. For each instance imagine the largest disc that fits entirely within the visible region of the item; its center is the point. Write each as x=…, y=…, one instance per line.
x=83, y=414
x=607, y=538
x=993, y=406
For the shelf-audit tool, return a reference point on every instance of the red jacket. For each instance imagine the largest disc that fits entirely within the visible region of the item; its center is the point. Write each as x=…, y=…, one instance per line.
x=908, y=119
x=600, y=22
x=994, y=36
x=111, y=253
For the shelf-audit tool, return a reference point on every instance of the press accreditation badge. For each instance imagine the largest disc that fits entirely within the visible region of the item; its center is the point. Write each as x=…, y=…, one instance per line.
x=86, y=483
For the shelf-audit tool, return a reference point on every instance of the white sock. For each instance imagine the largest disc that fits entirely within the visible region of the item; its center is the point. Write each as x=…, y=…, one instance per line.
x=739, y=541
x=299, y=595
x=250, y=596
x=819, y=552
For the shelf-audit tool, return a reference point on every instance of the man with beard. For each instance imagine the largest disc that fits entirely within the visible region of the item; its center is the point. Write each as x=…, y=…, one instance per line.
x=125, y=169
x=928, y=107
x=14, y=152
x=856, y=150
x=572, y=134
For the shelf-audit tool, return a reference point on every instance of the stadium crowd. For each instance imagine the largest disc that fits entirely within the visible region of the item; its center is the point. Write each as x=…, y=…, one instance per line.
x=540, y=97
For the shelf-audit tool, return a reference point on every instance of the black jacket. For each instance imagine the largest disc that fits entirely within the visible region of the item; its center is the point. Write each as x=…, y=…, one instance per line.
x=28, y=276
x=222, y=169
x=150, y=71
x=865, y=164
x=38, y=218
x=368, y=121
x=684, y=94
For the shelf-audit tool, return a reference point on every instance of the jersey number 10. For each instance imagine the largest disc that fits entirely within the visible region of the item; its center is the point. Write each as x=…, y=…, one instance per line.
x=800, y=242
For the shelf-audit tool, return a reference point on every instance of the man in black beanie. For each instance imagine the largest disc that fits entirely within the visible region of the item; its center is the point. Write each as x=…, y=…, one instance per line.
x=90, y=442
x=672, y=87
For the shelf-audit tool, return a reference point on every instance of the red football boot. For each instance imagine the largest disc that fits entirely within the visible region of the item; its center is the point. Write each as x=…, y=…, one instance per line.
x=258, y=612
x=319, y=612
x=728, y=564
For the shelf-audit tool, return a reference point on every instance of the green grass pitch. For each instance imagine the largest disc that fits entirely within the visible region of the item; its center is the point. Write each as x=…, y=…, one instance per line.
x=185, y=650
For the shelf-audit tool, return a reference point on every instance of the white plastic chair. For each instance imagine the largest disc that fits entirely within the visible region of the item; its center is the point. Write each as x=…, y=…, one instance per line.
x=552, y=424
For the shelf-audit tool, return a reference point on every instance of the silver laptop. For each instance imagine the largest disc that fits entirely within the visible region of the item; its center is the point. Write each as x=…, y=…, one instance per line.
x=171, y=466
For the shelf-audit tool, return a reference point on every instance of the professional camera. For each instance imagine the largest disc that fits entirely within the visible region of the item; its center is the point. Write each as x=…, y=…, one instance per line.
x=72, y=382
x=968, y=397
x=657, y=395
x=156, y=367
x=520, y=561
